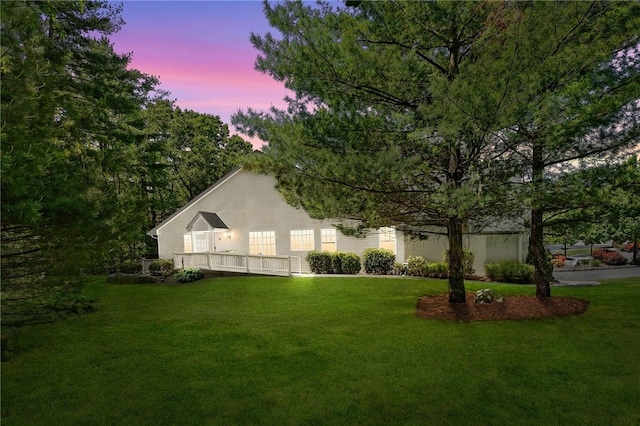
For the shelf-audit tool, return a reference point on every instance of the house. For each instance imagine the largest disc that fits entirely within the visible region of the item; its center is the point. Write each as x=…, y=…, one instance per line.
x=243, y=215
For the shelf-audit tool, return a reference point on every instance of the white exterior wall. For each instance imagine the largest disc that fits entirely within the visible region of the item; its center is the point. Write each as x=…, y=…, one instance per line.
x=485, y=248
x=248, y=202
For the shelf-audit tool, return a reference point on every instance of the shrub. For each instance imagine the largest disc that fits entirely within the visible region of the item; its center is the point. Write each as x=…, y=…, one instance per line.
x=350, y=263
x=320, y=262
x=418, y=266
x=467, y=260
x=598, y=253
x=161, y=267
x=613, y=258
x=188, y=275
x=558, y=259
x=130, y=267
x=509, y=271
x=596, y=262
x=438, y=270
x=336, y=262
x=400, y=269
x=378, y=261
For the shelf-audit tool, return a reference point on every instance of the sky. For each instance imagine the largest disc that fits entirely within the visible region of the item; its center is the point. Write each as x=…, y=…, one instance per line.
x=201, y=53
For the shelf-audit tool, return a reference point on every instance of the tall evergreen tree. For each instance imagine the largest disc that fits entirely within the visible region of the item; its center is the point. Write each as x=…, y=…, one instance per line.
x=66, y=96
x=394, y=120
x=573, y=100
x=412, y=114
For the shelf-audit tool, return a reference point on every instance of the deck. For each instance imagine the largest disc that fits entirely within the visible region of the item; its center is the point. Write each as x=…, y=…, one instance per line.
x=242, y=263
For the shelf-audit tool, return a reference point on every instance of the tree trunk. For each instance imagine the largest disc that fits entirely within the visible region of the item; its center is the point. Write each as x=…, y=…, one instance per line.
x=542, y=265
x=456, y=262
x=542, y=274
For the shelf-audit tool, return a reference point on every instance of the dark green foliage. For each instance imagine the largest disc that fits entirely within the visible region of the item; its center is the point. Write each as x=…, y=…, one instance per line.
x=67, y=99
x=420, y=267
x=419, y=114
x=320, y=262
x=346, y=263
x=378, y=261
x=130, y=267
x=87, y=167
x=48, y=304
x=131, y=278
x=161, y=267
x=510, y=271
x=333, y=262
x=188, y=275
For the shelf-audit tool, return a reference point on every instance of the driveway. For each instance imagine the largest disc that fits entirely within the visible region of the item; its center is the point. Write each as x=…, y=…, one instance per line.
x=593, y=276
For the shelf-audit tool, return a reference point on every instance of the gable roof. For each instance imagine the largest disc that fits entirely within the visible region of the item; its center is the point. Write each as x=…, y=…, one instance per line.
x=154, y=231
x=212, y=219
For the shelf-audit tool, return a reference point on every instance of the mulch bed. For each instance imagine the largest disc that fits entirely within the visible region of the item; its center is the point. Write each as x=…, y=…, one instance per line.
x=437, y=306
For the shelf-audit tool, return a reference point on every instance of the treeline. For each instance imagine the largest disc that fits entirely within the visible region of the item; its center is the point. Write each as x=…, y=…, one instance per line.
x=93, y=153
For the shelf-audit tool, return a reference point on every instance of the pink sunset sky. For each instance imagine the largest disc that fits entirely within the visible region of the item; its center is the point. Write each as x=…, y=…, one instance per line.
x=201, y=53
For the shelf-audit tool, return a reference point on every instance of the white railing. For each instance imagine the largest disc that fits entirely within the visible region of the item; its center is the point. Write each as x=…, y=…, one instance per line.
x=233, y=262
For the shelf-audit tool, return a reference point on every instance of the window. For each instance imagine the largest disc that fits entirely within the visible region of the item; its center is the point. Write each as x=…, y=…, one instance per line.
x=262, y=242
x=188, y=248
x=200, y=242
x=328, y=239
x=388, y=239
x=302, y=240
x=196, y=242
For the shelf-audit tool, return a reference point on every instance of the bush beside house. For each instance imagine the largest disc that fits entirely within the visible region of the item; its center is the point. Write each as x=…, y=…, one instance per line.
x=188, y=275
x=163, y=268
x=378, y=261
x=510, y=271
x=323, y=262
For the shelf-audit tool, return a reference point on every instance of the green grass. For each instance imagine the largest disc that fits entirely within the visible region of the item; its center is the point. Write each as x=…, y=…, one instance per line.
x=291, y=351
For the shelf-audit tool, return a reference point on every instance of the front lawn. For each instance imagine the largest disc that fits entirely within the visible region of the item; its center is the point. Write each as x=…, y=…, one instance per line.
x=290, y=351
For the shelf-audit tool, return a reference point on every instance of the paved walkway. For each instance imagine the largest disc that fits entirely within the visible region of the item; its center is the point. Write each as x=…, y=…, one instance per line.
x=595, y=275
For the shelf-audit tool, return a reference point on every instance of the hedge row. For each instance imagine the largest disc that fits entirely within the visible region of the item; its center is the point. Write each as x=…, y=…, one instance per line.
x=418, y=266
x=324, y=262
x=510, y=271
x=378, y=261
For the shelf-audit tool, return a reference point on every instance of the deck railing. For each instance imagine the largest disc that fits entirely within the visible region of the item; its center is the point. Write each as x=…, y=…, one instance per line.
x=234, y=262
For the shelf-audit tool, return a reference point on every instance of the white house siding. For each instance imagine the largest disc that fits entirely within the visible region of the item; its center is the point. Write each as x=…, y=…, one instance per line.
x=248, y=202
x=431, y=249
x=485, y=248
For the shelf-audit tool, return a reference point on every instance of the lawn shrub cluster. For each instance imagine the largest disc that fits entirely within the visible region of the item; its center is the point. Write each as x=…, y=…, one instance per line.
x=130, y=267
x=188, y=275
x=612, y=258
x=346, y=263
x=378, y=261
x=510, y=271
x=400, y=269
x=418, y=266
x=324, y=262
x=162, y=268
